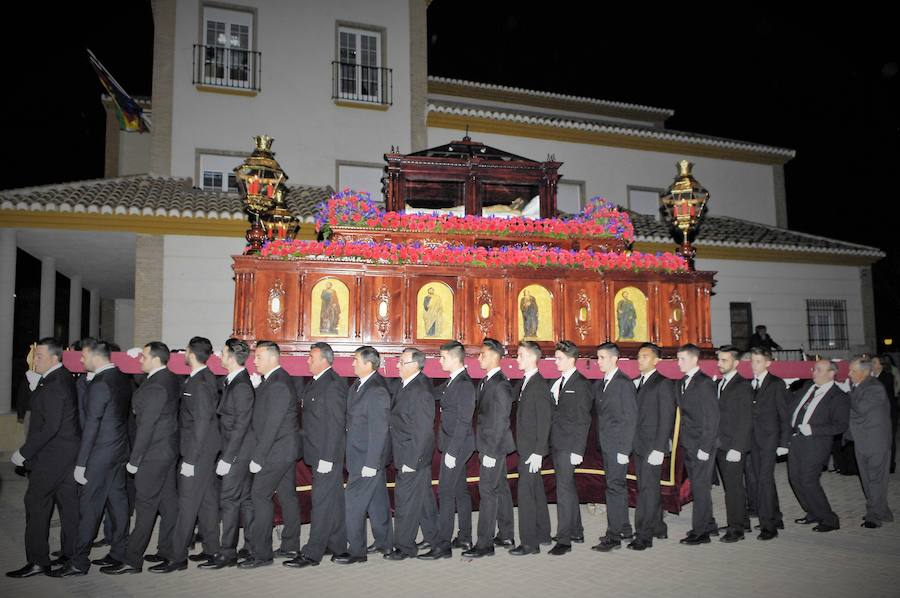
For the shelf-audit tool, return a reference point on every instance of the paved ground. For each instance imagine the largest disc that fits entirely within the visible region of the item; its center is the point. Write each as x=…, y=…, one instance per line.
x=852, y=562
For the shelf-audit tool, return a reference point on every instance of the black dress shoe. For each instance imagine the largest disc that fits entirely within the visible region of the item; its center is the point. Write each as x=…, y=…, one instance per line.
x=423, y=545
x=119, y=569
x=153, y=558
x=461, y=544
x=300, y=562
x=606, y=544
x=732, y=536
x=639, y=545
x=219, y=562
x=106, y=561
x=869, y=525
x=505, y=543
x=347, y=559
x=629, y=536
x=253, y=563
x=561, y=549
x=29, y=570
x=201, y=557
x=477, y=553
x=243, y=553
x=435, y=554
x=805, y=520
x=61, y=560
x=524, y=549
x=373, y=548
x=100, y=543
x=695, y=539
x=167, y=567
x=280, y=553
x=767, y=534
x=824, y=527
x=575, y=539
x=67, y=570
x=396, y=555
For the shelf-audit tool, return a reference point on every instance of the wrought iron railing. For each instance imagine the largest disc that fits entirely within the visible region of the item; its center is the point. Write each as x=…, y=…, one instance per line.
x=359, y=83
x=218, y=66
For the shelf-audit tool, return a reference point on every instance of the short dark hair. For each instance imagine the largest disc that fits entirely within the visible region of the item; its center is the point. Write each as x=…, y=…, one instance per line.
x=417, y=356
x=325, y=349
x=239, y=349
x=76, y=346
x=270, y=345
x=533, y=347
x=159, y=349
x=456, y=349
x=113, y=347
x=494, y=345
x=53, y=344
x=761, y=327
x=761, y=351
x=690, y=348
x=568, y=347
x=610, y=348
x=653, y=347
x=369, y=355
x=735, y=352
x=96, y=346
x=201, y=348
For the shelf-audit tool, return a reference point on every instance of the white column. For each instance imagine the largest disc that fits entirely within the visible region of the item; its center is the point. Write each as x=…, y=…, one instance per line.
x=7, y=305
x=48, y=296
x=74, y=308
x=94, y=320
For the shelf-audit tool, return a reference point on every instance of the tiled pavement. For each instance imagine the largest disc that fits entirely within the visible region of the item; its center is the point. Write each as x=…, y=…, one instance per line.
x=852, y=562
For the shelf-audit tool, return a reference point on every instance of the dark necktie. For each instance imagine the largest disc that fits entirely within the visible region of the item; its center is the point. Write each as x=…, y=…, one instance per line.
x=722, y=386
x=356, y=386
x=641, y=383
x=804, y=408
x=755, y=384
x=481, y=385
x=562, y=384
x=684, y=384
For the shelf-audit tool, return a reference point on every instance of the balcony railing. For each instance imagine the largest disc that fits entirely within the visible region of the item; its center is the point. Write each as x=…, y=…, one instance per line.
x=358, y=83
x=233, y=68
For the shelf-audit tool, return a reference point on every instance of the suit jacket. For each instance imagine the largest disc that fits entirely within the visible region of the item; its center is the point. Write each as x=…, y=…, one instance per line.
x=155, y=408
x=771, y=420
x=572, y=415
x=493, y=437
x=53, y=434
x=368, y=421
x=699, y=414
x=276, y=428
x=830, y=417
x=324, y=406
x=235, y=412
x=616, y=409
x=200, y=439
x=736, y=414
x=412, y=424
x=104, y=436
x=534, y=416
x=870, y=417
x=457, y=407
x=655, y=415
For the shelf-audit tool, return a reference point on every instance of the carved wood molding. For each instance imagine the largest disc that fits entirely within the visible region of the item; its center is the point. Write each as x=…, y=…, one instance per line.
x=484, y=310
x=382, y=311
x=582, y=313
x=275, y=306
x=676, y=314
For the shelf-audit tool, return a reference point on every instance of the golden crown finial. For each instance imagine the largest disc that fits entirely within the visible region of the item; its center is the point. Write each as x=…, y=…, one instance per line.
x=684, y=168
x=263, y=142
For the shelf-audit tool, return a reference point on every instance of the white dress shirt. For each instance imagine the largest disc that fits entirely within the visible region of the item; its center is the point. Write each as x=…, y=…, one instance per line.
x=320, y=374
x=232, y=375
x=823, y=390
x=557, y=386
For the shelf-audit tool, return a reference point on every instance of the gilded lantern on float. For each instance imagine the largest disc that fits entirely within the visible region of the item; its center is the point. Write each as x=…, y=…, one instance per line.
x=684, y=205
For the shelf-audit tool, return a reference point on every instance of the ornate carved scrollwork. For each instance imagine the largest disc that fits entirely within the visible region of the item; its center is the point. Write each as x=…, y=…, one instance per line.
x=485, y=314
x=276, y=306
x=382, y=311
x=676, y=314
x=582, y=313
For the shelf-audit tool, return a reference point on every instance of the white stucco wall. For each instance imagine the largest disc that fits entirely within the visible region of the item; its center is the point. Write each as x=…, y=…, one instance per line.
x=123, y=323
x=134, y=153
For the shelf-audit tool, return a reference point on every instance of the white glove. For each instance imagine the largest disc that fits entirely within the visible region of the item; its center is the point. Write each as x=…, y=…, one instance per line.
x=255, y=467
x=449, y=460
x=621, y=459
x=805, y=429
x=575, y=459
x=79, y=475
x=33, y=379
x=702, y=455
x=17, y=459
x=488, y=461
x=132, y=469
x=133, y=352
x=733, y=456
x=407, y=469
x=534, y=462
x=255, y=379
x=222, y=468
x=368, y=472
x=655, y=458
x=781, y=451
x=187, y=470
x=324, y=466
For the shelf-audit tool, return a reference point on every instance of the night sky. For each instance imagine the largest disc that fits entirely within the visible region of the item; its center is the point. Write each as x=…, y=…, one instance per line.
x=824, y=83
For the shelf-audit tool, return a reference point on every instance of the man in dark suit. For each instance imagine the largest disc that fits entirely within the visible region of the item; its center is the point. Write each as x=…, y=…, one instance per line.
x=235, y=412
x=735, y=425
x=273, y=461
x=457, y=443
x=324, y=406
x=412, y=439
x=493, y=440
x=50, y=452
x=699, y=436
x=368, y=421
x=534, y=414
x=652, y=439
x=572, y=398
x=761, y=340
x=616, y=409
x=154, y=455
x=818, y=413
x=100, y=467
x=870, y=420
x=770, y=439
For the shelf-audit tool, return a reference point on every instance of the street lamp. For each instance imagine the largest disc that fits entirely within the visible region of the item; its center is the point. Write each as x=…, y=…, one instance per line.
x=684, y=205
